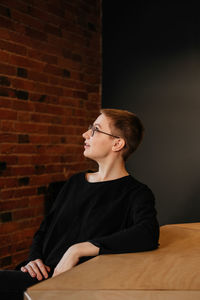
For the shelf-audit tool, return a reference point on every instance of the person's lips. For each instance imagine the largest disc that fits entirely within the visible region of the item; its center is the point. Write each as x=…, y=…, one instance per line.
x=86, y=145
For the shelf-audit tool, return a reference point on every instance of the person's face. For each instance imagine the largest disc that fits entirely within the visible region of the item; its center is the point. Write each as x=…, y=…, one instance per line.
x=99, y=145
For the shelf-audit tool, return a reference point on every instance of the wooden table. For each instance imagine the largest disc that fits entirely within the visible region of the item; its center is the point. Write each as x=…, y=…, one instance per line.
x=170, y=272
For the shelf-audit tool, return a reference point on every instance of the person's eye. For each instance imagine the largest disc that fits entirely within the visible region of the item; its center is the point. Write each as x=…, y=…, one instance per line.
x=96, y=128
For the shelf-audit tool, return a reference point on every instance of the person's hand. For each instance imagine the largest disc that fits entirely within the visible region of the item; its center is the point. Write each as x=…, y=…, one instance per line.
x=36, y=268
x=68, y=261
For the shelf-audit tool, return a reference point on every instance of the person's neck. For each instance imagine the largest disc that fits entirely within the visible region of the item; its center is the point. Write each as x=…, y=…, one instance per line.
x=110, y=171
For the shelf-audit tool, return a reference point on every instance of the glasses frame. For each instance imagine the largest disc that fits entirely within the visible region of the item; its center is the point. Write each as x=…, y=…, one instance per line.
x=93, y=128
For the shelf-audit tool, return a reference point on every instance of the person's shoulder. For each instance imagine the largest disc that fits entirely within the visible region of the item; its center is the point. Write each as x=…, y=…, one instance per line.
x=139, y=187
x=78, y=176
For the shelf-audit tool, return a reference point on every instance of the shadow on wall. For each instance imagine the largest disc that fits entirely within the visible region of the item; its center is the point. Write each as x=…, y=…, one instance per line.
x=168, y=160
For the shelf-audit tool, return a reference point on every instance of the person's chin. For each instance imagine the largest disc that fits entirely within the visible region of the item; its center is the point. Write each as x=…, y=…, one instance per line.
x=88, y=155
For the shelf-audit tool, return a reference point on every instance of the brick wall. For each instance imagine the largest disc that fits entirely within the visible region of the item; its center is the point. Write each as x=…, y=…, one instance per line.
x=50, y=77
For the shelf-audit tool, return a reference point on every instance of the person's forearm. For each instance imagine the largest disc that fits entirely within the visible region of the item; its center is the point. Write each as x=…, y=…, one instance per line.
x=85, y=249
x=73, y=254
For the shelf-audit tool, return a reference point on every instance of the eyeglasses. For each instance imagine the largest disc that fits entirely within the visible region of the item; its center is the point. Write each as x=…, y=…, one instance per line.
x=93, y=128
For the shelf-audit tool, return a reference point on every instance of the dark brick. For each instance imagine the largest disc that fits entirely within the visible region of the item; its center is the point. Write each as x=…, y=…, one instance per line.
x=23, y=138
x=24, y=181
x=4, y=81
x=21, y=72
x=5, y=261
x=4, y=92
x=5, y=217
x=21, y=95
x=66, y=73
x=3, y=165
x=5, y=11
x=39, y=169
x=63, y=140
x=42, y=98
x=41, y=190
x=91, y=27
x=76, y=57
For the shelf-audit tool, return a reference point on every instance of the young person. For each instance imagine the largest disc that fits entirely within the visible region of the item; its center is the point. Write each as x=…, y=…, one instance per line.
x=101, y=212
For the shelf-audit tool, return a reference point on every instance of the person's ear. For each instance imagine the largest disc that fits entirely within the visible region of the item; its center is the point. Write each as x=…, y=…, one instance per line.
x=118, y=144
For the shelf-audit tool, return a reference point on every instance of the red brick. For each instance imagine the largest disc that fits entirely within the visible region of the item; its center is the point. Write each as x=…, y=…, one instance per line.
x=6, y=23
x=21, y=246
x=8, y=227
x=7, y=182
x=4, y=56
x=36, y=54
x=53, y=30
x=40, y=139
x=8, y=138
x=16, y=193
x=52, y=149
x=4, y=250
x=53, y=90
x=7, y=114
x=36, y=34
x=34, y=75
x=26, y=63
x=4, y=34
x=45, y=40
x=23, y=116
x=19, y=257
x=7, y=69
x=22, y=84
x=9, y=159
x=53, y=70
x=40, y=159
x=12, y=47
x=25, y=213
x=68, y=92
x=24, y=159
x=92, y=106
x=14, y=204
x=45, y=118
x=14, y=148
x=19, y=5
x=43, y=14
x=68, y=102
x=23, y=105
x=27, y=19
x=36, y=200
x=4, y=102
x=5, y=239
x=40, y=179
x=7, y=125
x=22, y=171
x=56, y=129
x=31, y=128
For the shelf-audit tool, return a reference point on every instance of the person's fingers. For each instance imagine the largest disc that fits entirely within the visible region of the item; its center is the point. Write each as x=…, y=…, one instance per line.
x=48, y=268
x=37, y=270
x=42, y=268
x=24, y=269
x=30, y=270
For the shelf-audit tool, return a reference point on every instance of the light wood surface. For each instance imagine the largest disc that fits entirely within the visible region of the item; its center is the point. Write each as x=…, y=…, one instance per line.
x=170, y=272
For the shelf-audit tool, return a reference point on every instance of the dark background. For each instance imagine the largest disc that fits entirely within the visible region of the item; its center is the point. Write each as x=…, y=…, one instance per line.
x=151, y=66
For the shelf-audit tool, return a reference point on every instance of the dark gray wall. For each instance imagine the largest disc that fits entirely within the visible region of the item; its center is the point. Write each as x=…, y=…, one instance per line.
x=151, y=66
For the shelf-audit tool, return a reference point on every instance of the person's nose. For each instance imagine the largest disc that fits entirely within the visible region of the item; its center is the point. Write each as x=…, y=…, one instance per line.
x=86, y=135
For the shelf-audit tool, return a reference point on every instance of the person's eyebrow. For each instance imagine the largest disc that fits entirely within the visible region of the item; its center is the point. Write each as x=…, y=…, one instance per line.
x=96, y=124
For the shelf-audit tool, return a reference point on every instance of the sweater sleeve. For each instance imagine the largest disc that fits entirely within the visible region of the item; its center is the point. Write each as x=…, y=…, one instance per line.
x=142, y=235
x=38, y=238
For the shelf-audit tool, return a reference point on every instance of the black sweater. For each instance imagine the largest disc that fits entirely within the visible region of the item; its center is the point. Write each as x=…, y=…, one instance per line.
x=118, y=216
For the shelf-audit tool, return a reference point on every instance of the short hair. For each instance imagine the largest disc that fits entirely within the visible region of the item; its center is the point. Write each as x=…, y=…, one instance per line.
x=126, y=125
